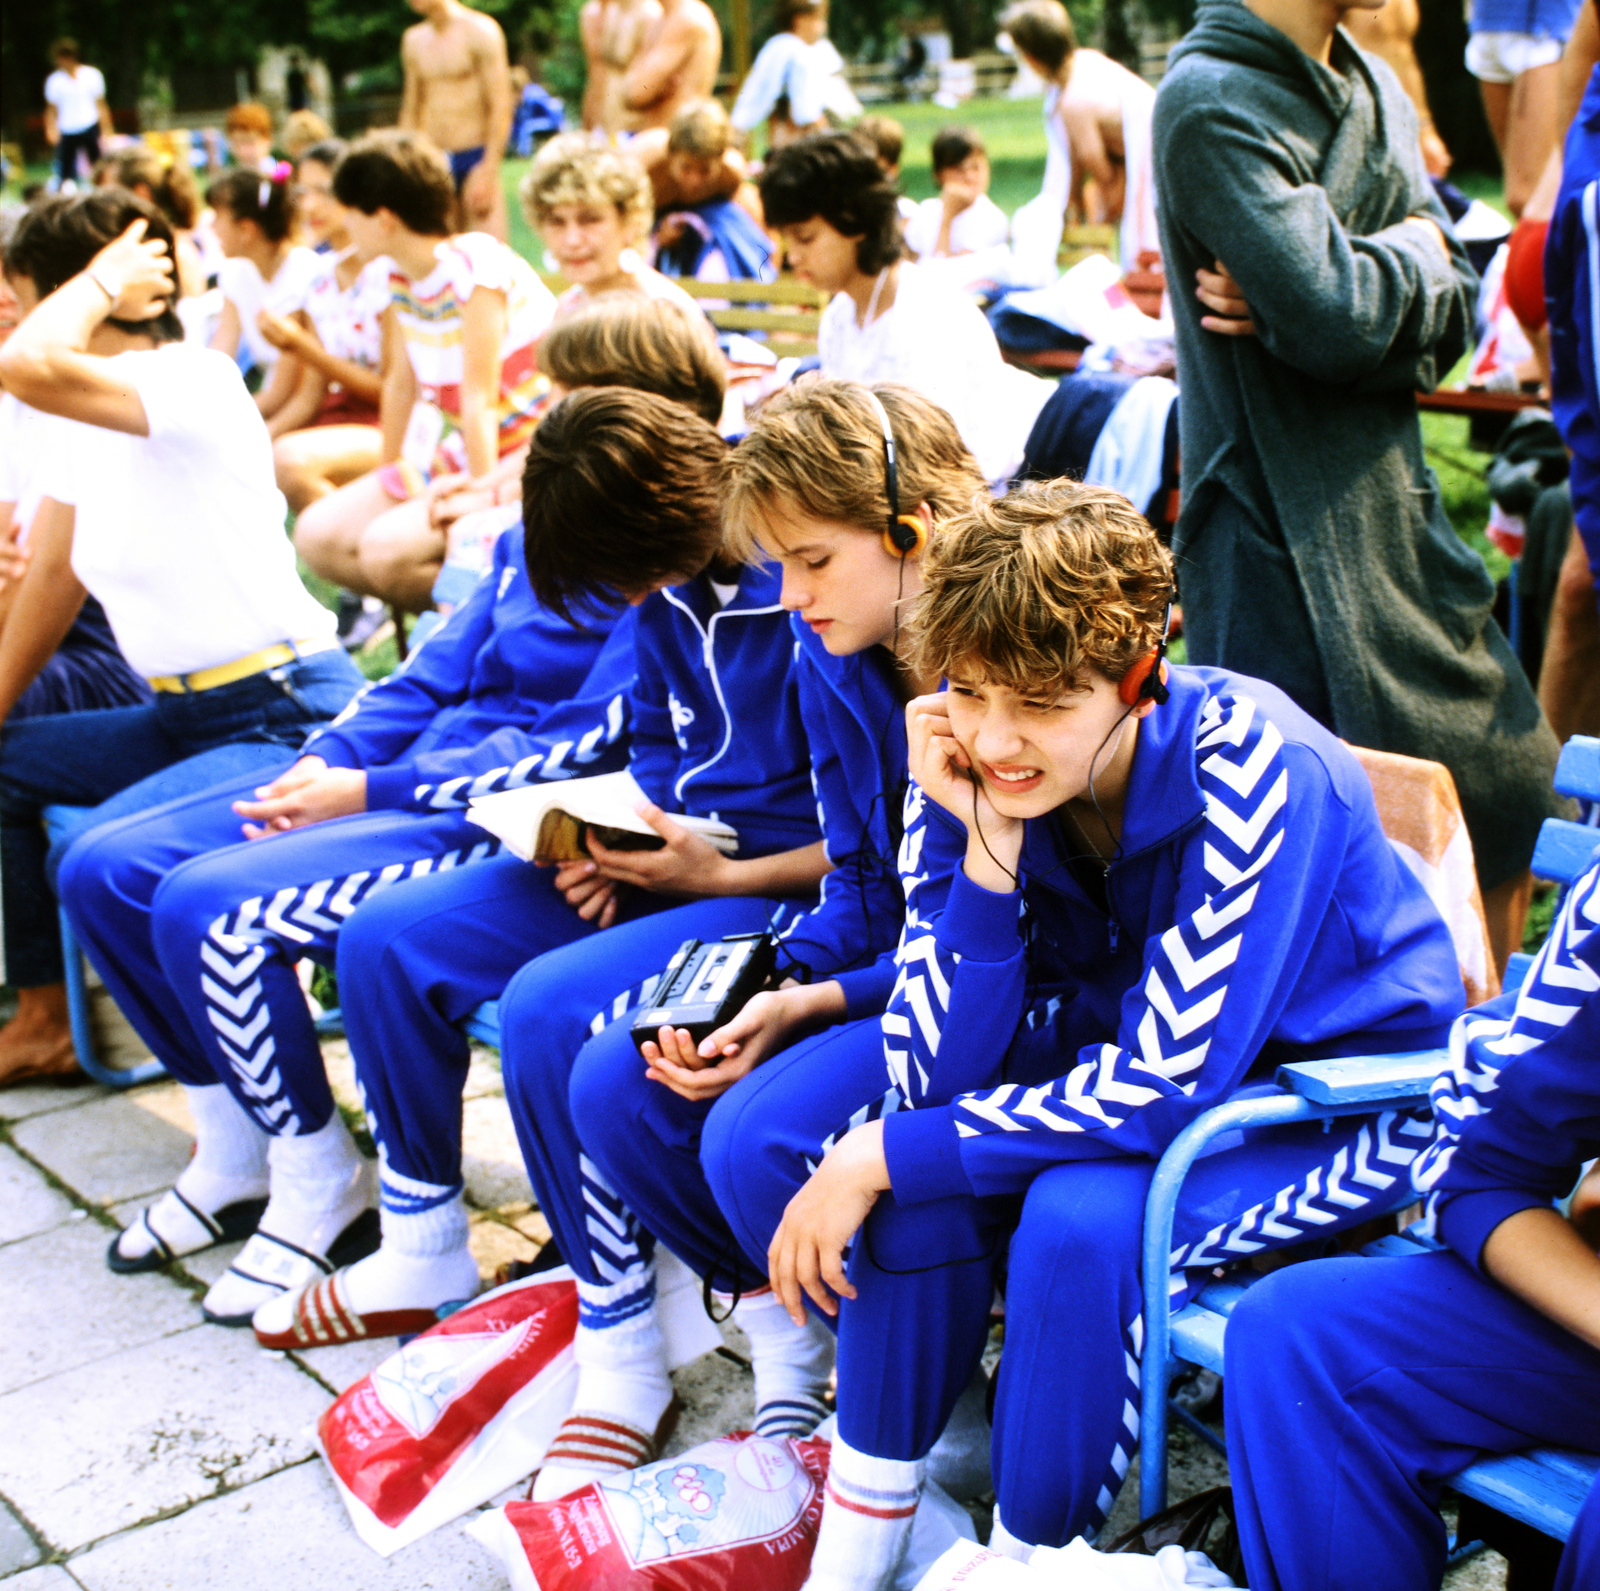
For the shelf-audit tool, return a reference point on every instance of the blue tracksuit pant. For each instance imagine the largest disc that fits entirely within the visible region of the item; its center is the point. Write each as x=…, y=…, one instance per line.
x=925, y=1273
x=549, y=1014
x=1354, y=1387
x=415, y=963
x=197, y=933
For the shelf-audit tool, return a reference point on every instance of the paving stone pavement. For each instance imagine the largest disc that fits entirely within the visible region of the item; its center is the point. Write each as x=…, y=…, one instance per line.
x=142, y=1449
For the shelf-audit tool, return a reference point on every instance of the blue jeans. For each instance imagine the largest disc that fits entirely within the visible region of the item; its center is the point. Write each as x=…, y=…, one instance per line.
x=124, y=759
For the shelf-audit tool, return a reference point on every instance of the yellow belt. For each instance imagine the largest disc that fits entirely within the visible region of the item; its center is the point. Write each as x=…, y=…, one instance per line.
x=208, y=679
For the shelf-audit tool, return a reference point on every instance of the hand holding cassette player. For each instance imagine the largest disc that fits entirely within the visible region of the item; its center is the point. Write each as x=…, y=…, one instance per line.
x=705, y=1060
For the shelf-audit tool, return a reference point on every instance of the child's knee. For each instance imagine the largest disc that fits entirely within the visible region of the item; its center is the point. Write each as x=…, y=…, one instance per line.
x=606, y=1087
x=377, y=928
x=1089, y=1215
x=91, y=872
x=725, y=1127
x=195, y=896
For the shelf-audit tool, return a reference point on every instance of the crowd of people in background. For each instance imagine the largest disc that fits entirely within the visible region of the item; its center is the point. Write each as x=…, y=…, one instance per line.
x=899, y=617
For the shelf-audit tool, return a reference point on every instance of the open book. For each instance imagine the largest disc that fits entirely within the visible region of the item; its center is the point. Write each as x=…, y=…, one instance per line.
x=550, y=822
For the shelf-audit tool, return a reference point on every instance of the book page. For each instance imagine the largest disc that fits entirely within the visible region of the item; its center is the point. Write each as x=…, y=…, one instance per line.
x=516, y=817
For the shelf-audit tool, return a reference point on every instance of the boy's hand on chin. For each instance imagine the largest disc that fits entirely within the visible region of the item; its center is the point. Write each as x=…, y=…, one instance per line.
x=944, y=770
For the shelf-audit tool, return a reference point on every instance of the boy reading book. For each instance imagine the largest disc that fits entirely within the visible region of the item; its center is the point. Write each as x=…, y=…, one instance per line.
x=1158, y=883
x=1355, y=1385
x=841, y=487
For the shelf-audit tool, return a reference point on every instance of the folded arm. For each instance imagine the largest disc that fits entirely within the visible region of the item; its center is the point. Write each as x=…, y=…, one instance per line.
x=1389, y=310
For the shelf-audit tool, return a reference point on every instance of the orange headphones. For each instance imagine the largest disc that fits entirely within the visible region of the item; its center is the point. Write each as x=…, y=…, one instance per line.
x=1147, y=679
x=905, y=534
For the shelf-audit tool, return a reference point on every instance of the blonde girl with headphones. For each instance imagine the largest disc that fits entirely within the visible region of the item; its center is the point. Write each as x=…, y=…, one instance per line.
x=841, y=486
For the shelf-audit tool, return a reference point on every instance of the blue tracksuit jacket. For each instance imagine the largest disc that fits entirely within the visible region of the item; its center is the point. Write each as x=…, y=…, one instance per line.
x=504, y=693
x=1256, y=913
x=856, y=724
x=1517, y=1112
x=1571, y=253
x=702, y=671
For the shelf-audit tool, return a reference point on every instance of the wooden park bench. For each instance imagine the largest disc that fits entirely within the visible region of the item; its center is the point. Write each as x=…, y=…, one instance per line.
x=787, y=311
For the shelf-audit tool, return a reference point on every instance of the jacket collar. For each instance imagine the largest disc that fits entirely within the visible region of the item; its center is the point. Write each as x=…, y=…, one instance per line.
x=863, y=682
x=758, y=593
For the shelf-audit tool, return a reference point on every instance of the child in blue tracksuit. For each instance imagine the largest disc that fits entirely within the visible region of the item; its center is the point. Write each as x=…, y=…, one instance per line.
x=1355, y=1387
x=197, y=934
x=613, y=1152
x=1155, y=892
x=715, y=732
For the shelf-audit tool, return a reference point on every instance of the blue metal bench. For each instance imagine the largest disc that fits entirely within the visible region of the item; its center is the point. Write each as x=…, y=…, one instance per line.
x=1543, y=1489
x=59, y=822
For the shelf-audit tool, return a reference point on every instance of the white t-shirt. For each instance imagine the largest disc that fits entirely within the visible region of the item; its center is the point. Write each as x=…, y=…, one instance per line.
x=180, y=534
x=349, y=320
x=936, y=340
x=982, y=225
x=243, y=287
x=24, y=434
x=76, y=97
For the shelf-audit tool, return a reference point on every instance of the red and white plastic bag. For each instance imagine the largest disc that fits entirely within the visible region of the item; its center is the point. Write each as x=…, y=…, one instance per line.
x=469, y=1407
x=740, y=1511
x=458, y=1414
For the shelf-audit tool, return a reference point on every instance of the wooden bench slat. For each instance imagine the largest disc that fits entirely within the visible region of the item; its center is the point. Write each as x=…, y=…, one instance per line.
x=1545, y=1488
x=1197, y=1334
x=1564, y=850
x=1518, y=966
x=1222, y=1297
x=484, y=1024
x=1357, y=1079
x=1460, y=400
x=783, y=291
x=801, y=324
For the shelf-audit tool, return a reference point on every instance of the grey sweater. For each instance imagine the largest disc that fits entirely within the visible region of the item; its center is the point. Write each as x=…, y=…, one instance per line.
x=1312, y=549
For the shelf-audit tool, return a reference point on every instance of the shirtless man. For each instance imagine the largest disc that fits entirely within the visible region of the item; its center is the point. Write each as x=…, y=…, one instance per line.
x=458, y=92
x=1390, y=34
x=695, y=161
x=612, y=32
x=1101, y=112
x=677, y=63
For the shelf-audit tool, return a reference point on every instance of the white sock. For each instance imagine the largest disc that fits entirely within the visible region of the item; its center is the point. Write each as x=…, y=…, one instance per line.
x=866, y=1520
x=229, y=1166
x=792, y=1366
x=425, y=1260
x=1002, y=1541
x=230, y=1151
x=622, y=1376
x=320, y=1184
